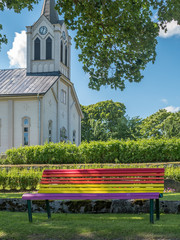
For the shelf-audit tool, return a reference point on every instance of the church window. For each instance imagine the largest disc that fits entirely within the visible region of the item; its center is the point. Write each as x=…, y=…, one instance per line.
x=61, y=51
x=50, y=131
x=37, y=45
x=63, y=96
x=48, y=48
x=66, y=55
x=63, y=134
x=26, y=128
x=74, y=136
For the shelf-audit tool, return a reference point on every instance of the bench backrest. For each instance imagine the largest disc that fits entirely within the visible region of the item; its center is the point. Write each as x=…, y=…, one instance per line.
x=125, y=180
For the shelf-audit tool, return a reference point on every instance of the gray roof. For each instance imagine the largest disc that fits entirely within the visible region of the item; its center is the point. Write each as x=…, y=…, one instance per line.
x=15, y=82
x=49, y=11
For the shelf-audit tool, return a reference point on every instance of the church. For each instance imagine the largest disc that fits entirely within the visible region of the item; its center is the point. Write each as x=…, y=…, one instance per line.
x=39, y=104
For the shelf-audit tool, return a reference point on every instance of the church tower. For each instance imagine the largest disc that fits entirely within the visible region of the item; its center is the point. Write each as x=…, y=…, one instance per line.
x=48, y=44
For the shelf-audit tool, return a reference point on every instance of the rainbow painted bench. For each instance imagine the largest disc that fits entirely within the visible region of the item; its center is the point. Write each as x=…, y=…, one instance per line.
x=88, y=184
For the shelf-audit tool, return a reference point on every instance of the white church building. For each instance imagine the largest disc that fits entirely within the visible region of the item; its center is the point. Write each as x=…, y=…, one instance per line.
x=39, y=104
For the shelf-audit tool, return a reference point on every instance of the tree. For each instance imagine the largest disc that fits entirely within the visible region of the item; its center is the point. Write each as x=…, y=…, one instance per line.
x=161, y=124
x=17, y=6
x=117, y=38
x=101, y=120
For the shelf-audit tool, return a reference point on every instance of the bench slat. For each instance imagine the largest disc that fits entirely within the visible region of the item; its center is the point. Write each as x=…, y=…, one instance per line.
x=103, y=186
x=93, y=182
x=79, y=190
x=104, y=179
x=84, y=196
x=104, y=170
x=97, y=174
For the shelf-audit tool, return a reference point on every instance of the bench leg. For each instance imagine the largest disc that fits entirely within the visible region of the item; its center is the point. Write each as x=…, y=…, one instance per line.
x=157, y=210
x=29, y=210
x=151, y=210
x=48, y=209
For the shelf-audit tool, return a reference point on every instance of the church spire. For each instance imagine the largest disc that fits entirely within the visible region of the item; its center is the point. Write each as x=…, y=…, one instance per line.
x=49, y=12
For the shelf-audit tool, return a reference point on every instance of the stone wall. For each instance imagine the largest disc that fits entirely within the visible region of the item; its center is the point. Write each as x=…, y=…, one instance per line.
x=114, y=206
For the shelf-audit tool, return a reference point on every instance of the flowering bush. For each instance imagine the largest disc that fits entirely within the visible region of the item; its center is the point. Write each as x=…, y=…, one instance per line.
x=169, y=190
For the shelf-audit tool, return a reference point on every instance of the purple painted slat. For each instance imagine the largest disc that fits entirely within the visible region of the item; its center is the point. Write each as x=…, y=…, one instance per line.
x=89, y=196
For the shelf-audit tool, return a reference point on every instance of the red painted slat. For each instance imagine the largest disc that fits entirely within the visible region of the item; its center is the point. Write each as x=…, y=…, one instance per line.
x=98, y=182
x=105, y=174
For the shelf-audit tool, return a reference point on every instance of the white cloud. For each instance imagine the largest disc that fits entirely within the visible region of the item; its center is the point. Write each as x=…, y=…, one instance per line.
x=173, y=29
x=17, y=54
x=172, y=109
x=164, y=100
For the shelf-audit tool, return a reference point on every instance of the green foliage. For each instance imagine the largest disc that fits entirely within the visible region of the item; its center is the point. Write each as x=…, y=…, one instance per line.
x=52, y=153
x=117, y=38
x=161, y=124
x=20, y=179
x=173, y=173
x=113, y=151
x=105, y=120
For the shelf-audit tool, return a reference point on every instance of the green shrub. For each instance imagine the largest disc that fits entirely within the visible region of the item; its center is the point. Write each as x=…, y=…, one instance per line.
x=114, y=151
x=17, y=179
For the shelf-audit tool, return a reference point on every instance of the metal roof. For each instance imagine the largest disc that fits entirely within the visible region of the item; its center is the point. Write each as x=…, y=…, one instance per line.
x=17, y=82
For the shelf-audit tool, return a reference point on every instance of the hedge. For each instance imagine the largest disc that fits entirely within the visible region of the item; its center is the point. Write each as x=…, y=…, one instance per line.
x=114, y=151
x=17, y=179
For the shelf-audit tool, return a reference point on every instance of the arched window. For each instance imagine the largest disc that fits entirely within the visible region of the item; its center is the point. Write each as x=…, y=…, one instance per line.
x=26, y=131
x=48, y=48
x=50, y=131
x=61, y=51
x=74, y=136
x=37, y=45
x=63, y=136
x=66, y=55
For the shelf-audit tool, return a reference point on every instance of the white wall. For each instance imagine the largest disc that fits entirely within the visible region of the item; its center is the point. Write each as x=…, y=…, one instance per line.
x=4, y=126
x=21, y=108
x=49, y=107
x=74, y=120
x=63, y=109
x=26, y=108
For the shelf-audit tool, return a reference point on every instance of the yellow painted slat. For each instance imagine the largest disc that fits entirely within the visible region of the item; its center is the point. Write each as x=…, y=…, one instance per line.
x=99, y=185
x=100, y=189
x=160, y=190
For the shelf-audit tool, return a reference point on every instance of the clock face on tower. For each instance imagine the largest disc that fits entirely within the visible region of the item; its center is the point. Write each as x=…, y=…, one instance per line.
x=43, y=30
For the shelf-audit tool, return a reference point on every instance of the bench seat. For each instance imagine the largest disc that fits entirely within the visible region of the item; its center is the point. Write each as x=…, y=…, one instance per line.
x=100, y=184
x=89, y=196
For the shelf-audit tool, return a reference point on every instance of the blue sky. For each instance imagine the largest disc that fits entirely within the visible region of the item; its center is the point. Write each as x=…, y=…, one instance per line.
x=159, y=89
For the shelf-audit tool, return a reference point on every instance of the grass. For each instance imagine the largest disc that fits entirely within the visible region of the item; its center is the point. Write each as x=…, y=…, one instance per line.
x=166, y=196
x=171, y=197
x=87, y=227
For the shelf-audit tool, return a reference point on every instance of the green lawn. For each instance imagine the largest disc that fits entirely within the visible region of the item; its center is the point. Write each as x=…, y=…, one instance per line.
x=88, y=227
x=166, y=196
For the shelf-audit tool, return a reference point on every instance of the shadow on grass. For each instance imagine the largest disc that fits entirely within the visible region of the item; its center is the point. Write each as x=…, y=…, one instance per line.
x=87, y=227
